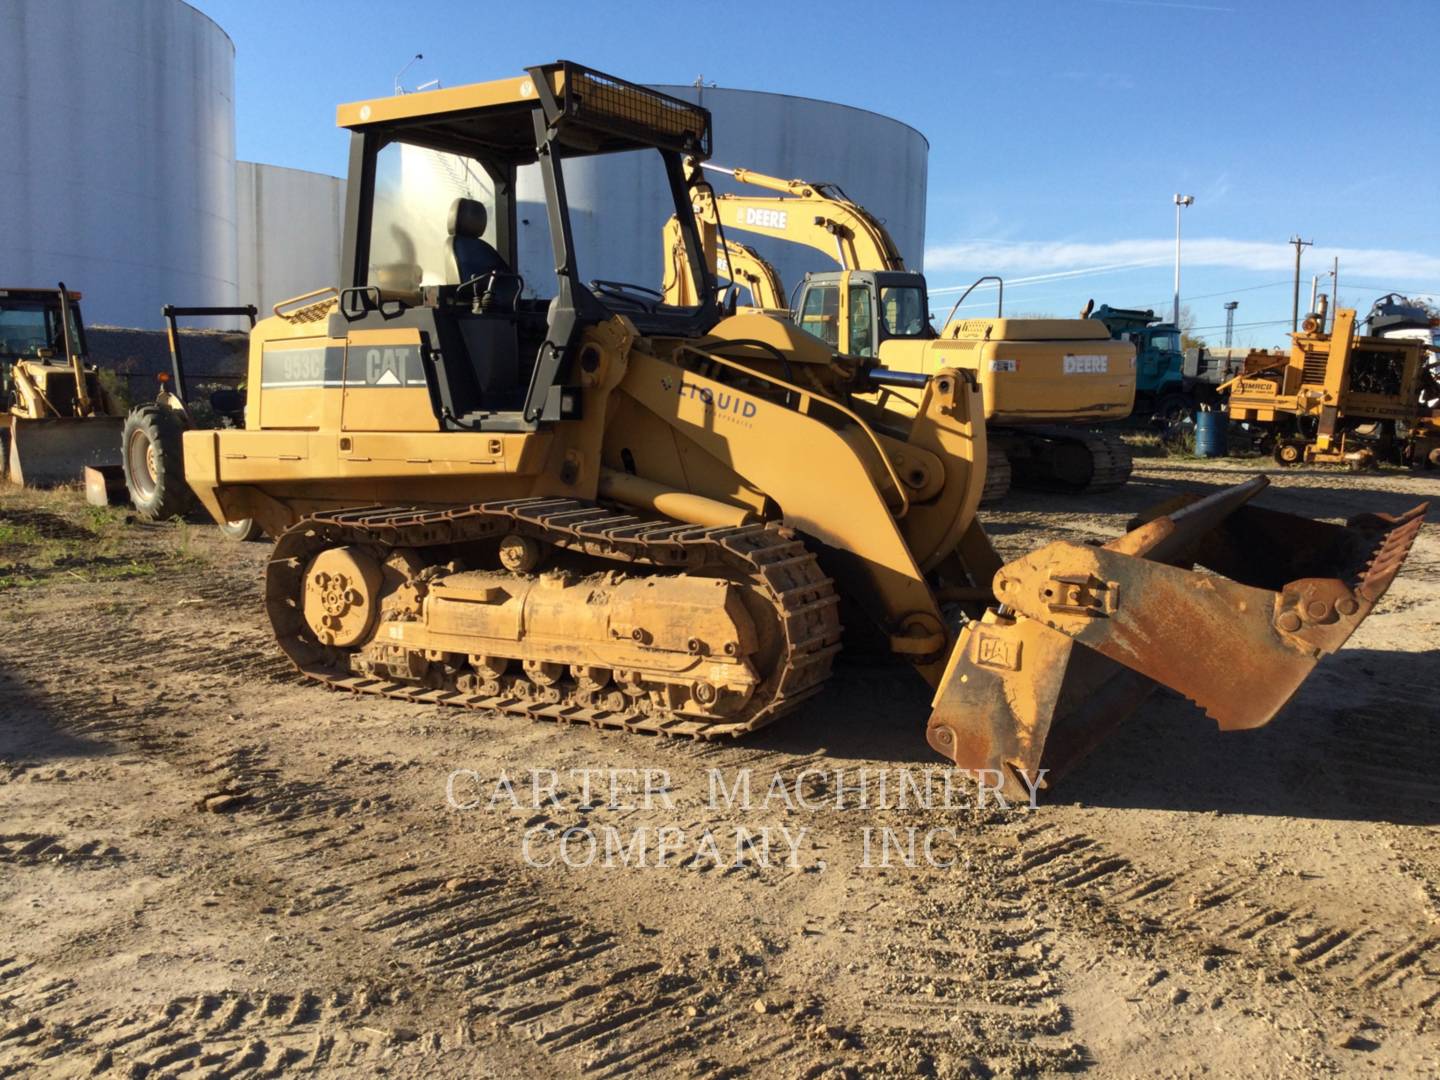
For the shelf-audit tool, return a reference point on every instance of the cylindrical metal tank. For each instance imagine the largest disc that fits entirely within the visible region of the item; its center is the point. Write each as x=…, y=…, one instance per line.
x=289, y=225
x=118, y=170
x=618, y=207
x=1210, y=434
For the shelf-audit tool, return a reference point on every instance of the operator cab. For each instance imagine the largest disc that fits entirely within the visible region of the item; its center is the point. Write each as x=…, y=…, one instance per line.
x=32, y=328
x=864, y=308
x=458, y=224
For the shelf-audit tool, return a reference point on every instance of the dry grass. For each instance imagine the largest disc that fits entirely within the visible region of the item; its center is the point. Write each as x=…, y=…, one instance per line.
x=54, y=533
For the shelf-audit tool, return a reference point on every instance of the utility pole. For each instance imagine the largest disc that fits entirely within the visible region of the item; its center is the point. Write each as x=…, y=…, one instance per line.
x=1181, y=201
x=1230, y=307
x=1295, y=306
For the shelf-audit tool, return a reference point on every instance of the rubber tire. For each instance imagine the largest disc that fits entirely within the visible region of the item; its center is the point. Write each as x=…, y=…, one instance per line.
x=1296, y=445
x=165, y=495
x=241, y=531
x=1173, y=410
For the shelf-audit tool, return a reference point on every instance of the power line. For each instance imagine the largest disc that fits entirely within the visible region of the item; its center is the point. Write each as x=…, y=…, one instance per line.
x=1239, y=325
x=1227, y=292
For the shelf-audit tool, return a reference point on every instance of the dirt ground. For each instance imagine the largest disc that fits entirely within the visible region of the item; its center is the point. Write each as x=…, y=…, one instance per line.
x=211, y=868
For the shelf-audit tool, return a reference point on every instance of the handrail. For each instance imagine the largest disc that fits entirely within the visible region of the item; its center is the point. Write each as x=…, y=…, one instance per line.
x=298, y=300
x=810, y=395
x=999, y=306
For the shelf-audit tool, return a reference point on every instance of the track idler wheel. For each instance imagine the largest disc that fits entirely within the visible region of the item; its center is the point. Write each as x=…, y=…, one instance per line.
x=342, y=596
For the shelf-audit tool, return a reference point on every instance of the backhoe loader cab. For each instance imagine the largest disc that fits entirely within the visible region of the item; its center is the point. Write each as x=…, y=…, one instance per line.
x=31, y=329
x=58, y=418
x=596, y=507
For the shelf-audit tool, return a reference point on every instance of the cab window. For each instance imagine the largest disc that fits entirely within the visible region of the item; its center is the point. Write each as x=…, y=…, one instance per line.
x=821, y=314
x=862, y=322
x=903, y=309
x=415, y=188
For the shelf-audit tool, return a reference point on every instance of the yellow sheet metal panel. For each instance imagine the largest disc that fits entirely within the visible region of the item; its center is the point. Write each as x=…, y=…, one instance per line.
x=439, y=102
x=1026, y=330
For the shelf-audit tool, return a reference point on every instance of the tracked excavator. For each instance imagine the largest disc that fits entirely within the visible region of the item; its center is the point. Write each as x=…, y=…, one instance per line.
x=595, y=507
x=58, y=418
x=1045, y=382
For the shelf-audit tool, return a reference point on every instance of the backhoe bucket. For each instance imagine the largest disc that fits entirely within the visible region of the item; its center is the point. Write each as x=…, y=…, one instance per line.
x=1083, y=634
x=47, y=452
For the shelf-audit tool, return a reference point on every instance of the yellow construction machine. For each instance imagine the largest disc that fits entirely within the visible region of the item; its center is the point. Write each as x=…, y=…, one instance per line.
x=1339, y=397
x=152, y=447
x=60, y=418
x=596, y=507
x=1043, y=381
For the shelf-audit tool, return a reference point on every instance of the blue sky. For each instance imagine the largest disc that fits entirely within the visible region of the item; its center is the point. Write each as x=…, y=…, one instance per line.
x=1059, y=129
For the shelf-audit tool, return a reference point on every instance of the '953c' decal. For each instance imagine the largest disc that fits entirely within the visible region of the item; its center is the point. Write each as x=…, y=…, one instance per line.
x=395, y=366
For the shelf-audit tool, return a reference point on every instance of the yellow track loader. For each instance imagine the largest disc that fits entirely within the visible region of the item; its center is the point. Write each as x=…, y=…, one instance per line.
x=1043, y=381
x=595, y=507
x=60, y=418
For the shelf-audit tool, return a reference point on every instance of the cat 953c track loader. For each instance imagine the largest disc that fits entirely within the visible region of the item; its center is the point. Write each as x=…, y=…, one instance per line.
x=589, y=506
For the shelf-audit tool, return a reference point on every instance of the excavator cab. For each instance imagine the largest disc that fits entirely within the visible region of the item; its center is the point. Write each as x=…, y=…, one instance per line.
x=857, y=311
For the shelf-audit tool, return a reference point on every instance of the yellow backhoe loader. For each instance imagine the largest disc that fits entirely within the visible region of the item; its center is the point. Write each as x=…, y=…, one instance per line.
x=60, y=419
x=1043, y=381
x=595, y=507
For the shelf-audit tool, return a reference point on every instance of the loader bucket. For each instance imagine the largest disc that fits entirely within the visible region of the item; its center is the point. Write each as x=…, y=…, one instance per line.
x=1083, y=634
x=53, y=451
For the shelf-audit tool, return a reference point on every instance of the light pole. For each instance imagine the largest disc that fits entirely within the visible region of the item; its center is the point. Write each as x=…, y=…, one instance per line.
x=1181, y=201
x=1230, y=306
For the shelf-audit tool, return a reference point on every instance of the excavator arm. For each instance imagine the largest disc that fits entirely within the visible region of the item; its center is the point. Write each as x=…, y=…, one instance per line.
x=737, y=263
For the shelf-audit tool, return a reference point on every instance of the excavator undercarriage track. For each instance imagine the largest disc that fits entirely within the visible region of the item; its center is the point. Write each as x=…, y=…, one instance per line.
x=784, y=586
x=1069, y=459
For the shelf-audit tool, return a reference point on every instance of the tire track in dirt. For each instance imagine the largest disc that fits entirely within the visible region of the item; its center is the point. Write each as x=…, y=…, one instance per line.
x=549, y=975
x=1218, y=909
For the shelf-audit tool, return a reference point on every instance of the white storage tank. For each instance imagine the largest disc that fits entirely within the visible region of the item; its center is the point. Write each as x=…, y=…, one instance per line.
x=617, y=205
x=289, y=223
x=118, y=171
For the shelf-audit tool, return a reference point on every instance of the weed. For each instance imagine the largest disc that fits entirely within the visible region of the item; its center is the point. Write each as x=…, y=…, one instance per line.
x=19, y=535
x=184, y=540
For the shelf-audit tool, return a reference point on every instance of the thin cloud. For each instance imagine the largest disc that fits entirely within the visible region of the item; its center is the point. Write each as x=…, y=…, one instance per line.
x=1044, y=257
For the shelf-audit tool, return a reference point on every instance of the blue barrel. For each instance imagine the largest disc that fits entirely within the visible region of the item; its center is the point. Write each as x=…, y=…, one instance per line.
x=1210, y=439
